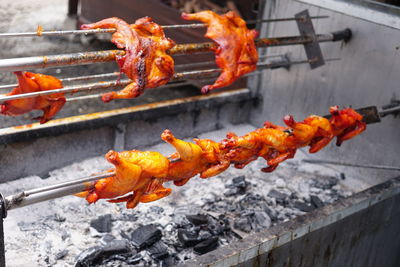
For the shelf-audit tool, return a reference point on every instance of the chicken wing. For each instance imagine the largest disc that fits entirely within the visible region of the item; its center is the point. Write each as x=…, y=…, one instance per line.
x=236, y=54
x=139, y=172
x=146, y=61
x=34, y=82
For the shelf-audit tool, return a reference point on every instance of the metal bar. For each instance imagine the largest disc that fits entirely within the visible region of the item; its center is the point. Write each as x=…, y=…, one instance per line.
x=24, y=63
x=104, y=85
x=388, y=111
x=197, y=74
x=72, y=79
x=181, y=26
x=370, y=166
x=99, y=95
x=18, y=201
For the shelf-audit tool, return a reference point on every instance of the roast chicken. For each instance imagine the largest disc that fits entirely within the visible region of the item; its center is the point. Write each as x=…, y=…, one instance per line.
x=146, y=61
x=236, y=54
x=141, y=175
x=29, y=82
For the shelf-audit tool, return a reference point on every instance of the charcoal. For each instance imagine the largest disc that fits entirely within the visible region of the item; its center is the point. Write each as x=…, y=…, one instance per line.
x=238, y=186
x=325, y=183
x=107, y=239
x=89, y=257
x=242, y=224
x=198, y=219
x=65, y=235
x=168, y=262
x=59, y=218
x=156, y=209
x=203, y=235
x=272, y=213
x=279, y=196
x=158, y=250
x=61, y=254
x=145, y=236
x=187, y=238
x=206, y=245
x=135, y=259
x=118, y=246
x=102, y=224
x=303, y=206
x=261, y=220
x=316, y=201
x=240, y=182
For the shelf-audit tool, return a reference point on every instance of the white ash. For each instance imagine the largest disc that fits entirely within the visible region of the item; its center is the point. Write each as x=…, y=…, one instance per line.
x=53, y=233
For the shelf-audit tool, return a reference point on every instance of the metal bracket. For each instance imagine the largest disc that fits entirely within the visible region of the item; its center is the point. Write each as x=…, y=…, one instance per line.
x=3, y=213
x=306, y=29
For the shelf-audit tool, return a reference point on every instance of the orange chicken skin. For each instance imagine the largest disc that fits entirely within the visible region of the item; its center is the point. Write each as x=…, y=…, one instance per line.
x=146, y=61
x=236, y=54
x=139, y=172
x=192, y=160
x=315, y=131
x=29, y=82
x=346, y=123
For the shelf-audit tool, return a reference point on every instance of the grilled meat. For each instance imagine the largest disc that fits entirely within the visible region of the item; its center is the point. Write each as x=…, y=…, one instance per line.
x=144, y=173
x=146, y=61
x=29, y=82
x=137, y=172
x=236, y=54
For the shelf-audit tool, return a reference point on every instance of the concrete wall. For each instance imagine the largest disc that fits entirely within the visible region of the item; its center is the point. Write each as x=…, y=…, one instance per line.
x=367, y=74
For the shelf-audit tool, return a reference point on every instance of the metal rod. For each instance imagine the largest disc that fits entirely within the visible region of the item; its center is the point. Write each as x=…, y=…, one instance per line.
x=25, y=63
x=197, y=74
x=388, y=111
x=104, y=85
x=116, y=74
x=84, y=97
x=371, y=166
x=72, y=79
x=93, y=31
x=18, y=201
x=57, y=190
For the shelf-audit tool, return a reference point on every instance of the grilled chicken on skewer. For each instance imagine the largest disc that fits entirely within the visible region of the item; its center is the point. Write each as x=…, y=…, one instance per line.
x=136, y=172
x=236, y=54
x=143, y=173
x=146, y=61
x=29, y=82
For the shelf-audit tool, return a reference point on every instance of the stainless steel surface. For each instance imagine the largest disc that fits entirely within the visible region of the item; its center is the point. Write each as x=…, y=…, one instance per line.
x=367, y=75
x=370, y=166
x=361, y=230
x=94, y=31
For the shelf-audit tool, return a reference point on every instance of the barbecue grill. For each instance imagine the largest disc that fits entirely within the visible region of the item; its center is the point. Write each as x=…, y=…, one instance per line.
x=324, y=74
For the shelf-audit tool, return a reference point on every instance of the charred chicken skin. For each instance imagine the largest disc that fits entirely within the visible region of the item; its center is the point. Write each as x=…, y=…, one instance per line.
x=236, y=54
x=137, y=172
x=146, y=61
x=29, y=82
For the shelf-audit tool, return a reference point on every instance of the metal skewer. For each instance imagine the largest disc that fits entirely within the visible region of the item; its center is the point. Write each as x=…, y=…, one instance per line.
x=25, y=63
x=197, y=74
x=94, y=31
